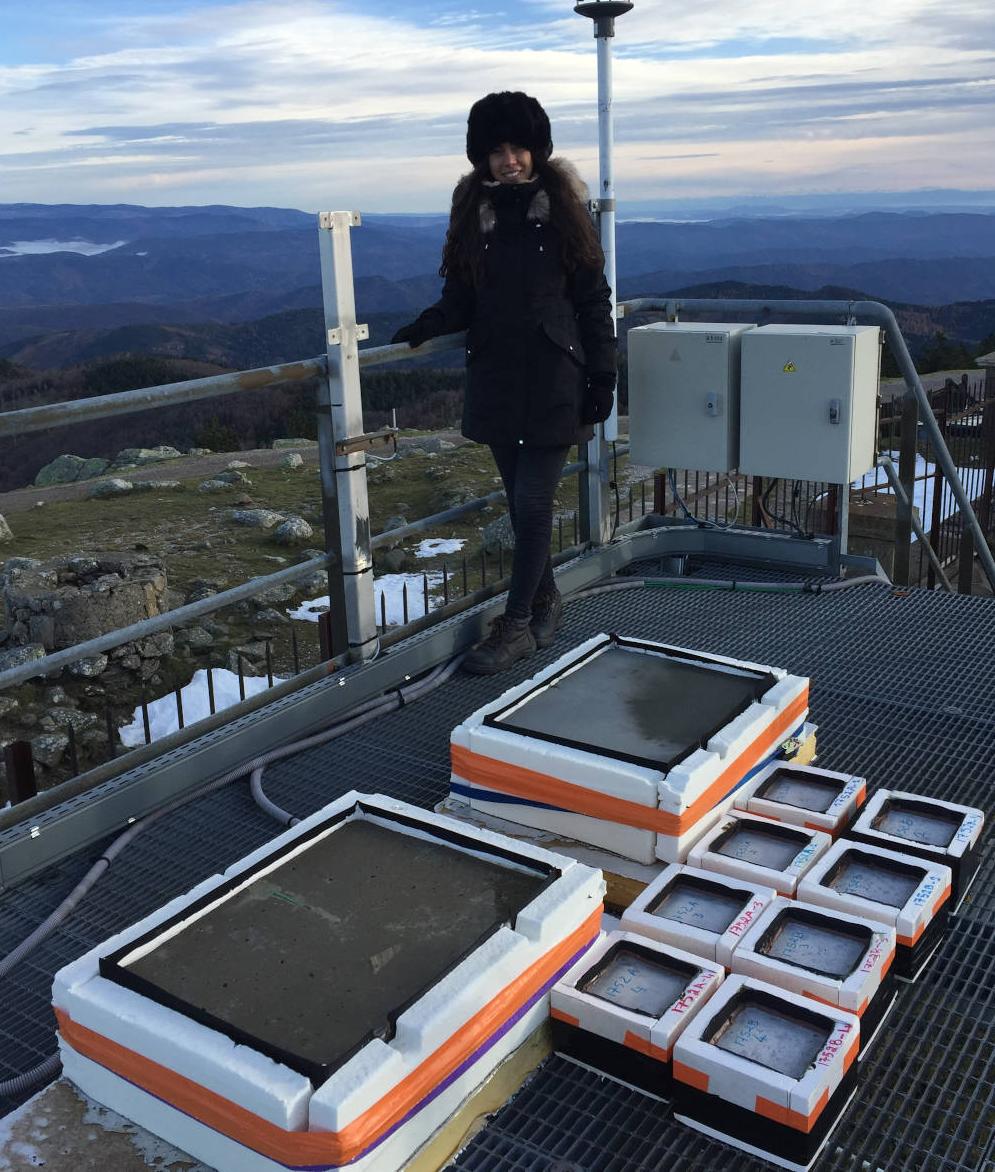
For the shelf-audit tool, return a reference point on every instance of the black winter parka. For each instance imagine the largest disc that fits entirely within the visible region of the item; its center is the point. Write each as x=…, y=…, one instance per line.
x=536, y=334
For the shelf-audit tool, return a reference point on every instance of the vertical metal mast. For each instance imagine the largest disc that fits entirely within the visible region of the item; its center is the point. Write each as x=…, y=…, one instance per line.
x=603, y=13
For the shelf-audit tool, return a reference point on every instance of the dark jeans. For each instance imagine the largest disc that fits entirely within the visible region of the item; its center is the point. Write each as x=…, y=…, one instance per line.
x=530, y=478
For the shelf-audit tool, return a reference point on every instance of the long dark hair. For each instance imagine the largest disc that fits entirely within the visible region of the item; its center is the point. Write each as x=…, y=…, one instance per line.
x=462, y=255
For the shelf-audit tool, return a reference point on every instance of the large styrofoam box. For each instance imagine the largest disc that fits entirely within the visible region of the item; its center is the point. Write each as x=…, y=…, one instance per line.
x=684, y=395
x=808, y=402
x=449, y=1037
x=759, y=850
x=803, y=795
x=944, y=832
x=911, y=893
x=607, y=798
x=766, y=1070
x=702, y=911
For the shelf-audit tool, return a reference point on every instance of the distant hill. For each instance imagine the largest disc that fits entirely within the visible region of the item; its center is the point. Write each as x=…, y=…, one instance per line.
x=241, y=286
x=298, y=333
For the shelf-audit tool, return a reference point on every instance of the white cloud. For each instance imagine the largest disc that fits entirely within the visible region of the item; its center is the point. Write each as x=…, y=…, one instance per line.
x=325, y=102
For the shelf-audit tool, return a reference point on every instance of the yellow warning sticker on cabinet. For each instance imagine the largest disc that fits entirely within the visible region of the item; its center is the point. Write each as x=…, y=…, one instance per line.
x=790, y=368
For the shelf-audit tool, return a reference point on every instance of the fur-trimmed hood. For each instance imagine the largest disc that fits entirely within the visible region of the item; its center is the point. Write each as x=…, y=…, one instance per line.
x=538, y=209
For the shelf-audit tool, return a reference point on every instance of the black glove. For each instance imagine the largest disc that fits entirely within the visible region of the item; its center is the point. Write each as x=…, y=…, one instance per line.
x=598, y=401
x=414, y=334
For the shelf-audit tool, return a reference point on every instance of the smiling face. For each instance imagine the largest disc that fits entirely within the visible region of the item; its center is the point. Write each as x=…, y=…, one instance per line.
x=510, y=163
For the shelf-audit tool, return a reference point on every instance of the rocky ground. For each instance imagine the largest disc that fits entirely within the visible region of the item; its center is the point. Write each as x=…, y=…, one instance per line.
x=196, y=525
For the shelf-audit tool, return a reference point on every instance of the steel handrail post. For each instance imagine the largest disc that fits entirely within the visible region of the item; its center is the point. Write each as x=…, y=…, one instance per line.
x=345, y=501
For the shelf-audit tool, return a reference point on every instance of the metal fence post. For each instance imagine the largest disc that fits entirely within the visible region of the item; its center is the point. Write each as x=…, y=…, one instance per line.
x=20, y=767
x=965, y=562
x=907, y=475
x=343, y=474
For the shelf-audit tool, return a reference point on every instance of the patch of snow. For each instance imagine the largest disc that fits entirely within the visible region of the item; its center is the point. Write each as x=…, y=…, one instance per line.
x=44, y=247
x=432, y=546
x=196, y=704
x=924, y=487
x=389, y=589
x=141, y=254
x=16, y=1154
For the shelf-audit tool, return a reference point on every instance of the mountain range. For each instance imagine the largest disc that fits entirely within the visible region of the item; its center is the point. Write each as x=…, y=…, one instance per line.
x=79, y=281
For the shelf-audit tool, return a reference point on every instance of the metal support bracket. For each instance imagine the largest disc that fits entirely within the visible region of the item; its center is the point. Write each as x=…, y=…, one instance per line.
x=360, y=333
x=387, y=437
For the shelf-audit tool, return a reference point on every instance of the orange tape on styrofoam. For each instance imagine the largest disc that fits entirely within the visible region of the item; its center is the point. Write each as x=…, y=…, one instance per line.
x=577, y=799
x=305, y=1149
x=789, y=1118
x=909, y=941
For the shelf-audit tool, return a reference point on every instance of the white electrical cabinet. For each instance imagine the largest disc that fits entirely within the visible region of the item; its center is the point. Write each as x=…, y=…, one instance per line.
x=684, y=395
x=808, y=399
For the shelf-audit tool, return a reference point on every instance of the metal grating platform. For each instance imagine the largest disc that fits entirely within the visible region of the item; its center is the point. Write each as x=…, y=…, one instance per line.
x=903, y=691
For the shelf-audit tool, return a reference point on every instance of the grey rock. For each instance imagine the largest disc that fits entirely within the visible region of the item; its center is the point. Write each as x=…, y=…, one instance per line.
x=269, y=615
x=316, y=584
x=62, y=470
x=142, y=456
x=292, y=460
x=215, y=486
x=436, y=472
x=72, y=718
x=88, y=669
x=293, y=531
x=7, y=705
x=253, y=657
x=82, y=566
x=6, y=533
x=233, y=476
x=41, y=629
x=113, y=487
x=199, y=452
x=256, y=518
x=201, y=588
x=19, y=655
x=158, y=486
x=394, y=560
x=282, y=592
x=95, y=466
x=50, y=748
x=294, y=443
x=380, y=473
x=498, y=534
x=57, y=695
x=453, y=495
x=154, y=646
x=20, y=564
x=447, y=446
x=234, y=465
x=196, y=638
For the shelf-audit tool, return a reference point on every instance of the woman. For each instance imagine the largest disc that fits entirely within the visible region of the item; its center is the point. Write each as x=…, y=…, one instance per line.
x=524, y=276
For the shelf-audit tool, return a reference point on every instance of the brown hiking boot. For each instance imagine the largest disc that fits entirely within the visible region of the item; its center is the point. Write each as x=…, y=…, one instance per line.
x=509, y=641
x=547, y=617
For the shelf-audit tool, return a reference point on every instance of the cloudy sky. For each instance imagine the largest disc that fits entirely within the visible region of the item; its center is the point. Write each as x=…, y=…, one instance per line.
x=362, y=103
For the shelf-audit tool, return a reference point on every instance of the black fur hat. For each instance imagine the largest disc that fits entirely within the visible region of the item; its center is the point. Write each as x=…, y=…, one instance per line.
x=507, y=117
